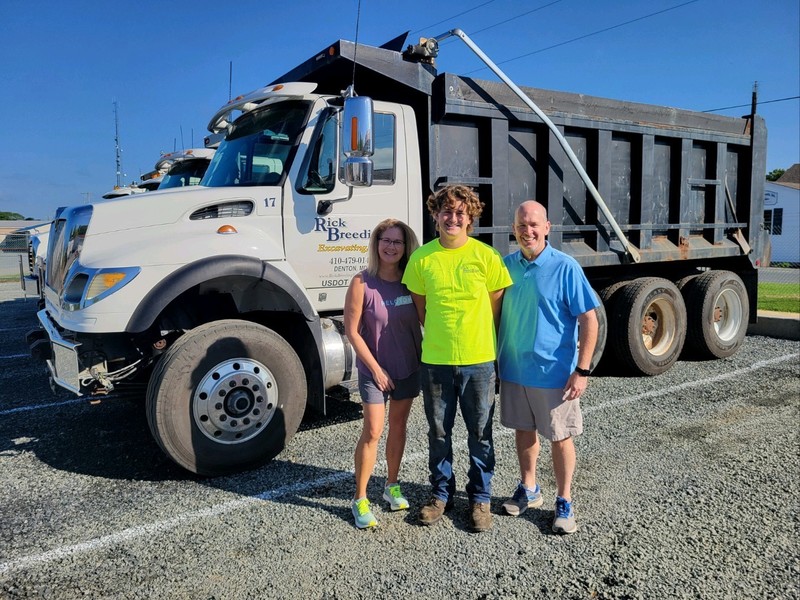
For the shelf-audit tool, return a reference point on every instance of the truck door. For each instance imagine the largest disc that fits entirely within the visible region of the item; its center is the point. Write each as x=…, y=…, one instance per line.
x=326, y=249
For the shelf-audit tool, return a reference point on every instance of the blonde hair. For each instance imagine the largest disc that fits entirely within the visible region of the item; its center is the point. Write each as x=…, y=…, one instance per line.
x=409, y=237
x=451, y=195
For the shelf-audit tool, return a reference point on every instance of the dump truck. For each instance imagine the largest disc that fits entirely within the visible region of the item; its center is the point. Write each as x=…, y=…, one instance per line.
x=227, y=298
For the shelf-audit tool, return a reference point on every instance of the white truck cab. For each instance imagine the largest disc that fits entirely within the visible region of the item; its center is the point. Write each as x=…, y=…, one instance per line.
x=237, y=275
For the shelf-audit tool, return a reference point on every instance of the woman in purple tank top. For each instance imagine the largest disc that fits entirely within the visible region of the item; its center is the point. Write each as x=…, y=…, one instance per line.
x=382, y=324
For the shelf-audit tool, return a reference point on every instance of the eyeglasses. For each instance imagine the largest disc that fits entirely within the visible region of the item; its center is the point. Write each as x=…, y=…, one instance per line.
x=389, y=242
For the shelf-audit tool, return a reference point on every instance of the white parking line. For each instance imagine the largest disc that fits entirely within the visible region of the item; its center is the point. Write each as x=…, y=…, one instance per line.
x=8, y=356
x=11, y=411
x=133, y=533
x=689, y=384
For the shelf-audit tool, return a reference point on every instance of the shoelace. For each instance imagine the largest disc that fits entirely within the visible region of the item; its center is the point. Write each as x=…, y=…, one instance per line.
x=563, y=508
x=362, y=506
x=394, y=491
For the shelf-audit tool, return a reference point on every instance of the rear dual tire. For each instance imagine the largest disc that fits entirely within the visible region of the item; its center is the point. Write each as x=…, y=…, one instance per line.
x=718, y=310
x=647, y=324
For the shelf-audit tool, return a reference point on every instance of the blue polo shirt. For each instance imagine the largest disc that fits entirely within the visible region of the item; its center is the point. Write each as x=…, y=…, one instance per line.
x=539, y=326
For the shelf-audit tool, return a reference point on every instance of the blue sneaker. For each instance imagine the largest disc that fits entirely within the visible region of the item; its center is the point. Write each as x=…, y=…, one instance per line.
x=363, y=515
x=564, y=521
x=394, y=496
x=523, y=499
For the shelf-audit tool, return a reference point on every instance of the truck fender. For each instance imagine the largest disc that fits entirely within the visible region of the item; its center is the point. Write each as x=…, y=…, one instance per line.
x=207, y=269
x=213, y=267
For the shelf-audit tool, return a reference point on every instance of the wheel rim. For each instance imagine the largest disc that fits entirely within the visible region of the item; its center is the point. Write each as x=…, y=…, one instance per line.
x=728, y=314
x=658, y=327
x=235, y=400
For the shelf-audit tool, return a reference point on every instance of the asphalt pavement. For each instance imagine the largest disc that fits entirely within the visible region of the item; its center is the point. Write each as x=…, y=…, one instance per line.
x=687, y=486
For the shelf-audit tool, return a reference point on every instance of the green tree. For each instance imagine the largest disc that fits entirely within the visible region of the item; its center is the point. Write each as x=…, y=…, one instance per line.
x=775, y=174
x=11, y=216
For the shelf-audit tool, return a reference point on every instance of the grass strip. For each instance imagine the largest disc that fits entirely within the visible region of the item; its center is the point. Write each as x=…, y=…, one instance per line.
x=781, y=297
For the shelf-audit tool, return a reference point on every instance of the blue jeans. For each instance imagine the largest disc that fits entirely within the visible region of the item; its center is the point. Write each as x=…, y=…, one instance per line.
x=444, y=388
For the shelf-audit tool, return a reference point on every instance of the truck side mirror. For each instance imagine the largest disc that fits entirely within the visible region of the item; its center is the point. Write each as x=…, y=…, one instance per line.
x=358, y=140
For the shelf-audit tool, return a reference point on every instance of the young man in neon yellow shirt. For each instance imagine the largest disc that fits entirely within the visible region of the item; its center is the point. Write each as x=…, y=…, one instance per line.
x=457, y=284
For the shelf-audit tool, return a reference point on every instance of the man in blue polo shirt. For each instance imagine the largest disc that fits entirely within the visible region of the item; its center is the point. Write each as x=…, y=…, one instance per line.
x=542, y=372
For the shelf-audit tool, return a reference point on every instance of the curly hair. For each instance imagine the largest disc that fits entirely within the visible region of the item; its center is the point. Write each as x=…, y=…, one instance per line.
x=449, y=196
x=409, y=237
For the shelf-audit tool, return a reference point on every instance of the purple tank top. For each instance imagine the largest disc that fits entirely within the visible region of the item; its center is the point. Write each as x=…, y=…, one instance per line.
x=390, y=327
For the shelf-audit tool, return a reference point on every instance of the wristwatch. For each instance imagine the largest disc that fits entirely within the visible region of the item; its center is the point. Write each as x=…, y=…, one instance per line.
x=583, y=372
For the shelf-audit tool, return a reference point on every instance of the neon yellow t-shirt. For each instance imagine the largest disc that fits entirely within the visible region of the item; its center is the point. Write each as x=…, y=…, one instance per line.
x=459, y=325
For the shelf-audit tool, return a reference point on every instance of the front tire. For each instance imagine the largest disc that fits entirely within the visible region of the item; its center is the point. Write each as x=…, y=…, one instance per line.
x=227, y=396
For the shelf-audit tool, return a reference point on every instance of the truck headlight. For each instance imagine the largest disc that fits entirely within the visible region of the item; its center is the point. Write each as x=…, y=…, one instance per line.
x=88, y=286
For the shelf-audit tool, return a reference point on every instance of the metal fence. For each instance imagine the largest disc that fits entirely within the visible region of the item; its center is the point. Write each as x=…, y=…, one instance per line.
x=13, y=247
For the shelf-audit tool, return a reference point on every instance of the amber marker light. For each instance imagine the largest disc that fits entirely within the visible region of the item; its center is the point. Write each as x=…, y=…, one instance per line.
x=226, y=229
x=103, y=282
x=354, y=133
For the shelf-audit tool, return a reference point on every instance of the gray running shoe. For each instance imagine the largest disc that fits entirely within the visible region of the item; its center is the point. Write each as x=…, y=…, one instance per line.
x=564, y=521
x=522, y=500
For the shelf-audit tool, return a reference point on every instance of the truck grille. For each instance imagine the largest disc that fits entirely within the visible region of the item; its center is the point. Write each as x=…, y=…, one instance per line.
x=66, y=239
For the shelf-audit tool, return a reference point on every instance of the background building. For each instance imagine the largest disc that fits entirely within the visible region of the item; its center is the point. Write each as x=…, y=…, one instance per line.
x=782, y=216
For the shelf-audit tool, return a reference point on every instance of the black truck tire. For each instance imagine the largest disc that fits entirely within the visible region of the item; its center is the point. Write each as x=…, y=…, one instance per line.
x=718, y=311
x=226, y=396
x=648, y=325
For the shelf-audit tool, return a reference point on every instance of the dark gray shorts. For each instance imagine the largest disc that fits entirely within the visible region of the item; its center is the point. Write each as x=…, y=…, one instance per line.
x=540, y=409
x=403, y=389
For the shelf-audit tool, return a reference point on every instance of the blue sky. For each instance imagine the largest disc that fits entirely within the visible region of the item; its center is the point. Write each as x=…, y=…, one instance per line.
x=166, y=64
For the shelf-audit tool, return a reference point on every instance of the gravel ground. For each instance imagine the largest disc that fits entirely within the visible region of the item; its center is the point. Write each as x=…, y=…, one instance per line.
x=687, y=487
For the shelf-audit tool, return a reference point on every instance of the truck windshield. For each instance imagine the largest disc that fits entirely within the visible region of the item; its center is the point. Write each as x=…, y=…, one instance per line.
x=259, y=146
x=184, y=173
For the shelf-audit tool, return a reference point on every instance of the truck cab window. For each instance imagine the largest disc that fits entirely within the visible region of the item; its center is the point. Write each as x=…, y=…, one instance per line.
x=320, y=174
x=258, y=149
x=319, y=177
x=383, y=159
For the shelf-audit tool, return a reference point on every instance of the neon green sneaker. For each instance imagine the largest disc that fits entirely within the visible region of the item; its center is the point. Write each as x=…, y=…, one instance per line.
x=395, y=498
x=363, y=515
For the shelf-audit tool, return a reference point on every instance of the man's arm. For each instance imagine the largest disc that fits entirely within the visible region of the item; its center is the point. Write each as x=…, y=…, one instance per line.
x=419, y=303
x=496, y=298
x=587, y=340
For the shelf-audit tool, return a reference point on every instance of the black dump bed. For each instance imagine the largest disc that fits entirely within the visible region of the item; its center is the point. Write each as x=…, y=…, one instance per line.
x=685, y=187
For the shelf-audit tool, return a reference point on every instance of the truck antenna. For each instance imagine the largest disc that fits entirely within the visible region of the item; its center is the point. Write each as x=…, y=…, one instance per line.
x=118, y=150
x=355, y=51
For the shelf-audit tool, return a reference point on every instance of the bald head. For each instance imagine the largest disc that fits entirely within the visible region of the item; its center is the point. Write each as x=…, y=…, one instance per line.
x=531, y=228
x=531, y=206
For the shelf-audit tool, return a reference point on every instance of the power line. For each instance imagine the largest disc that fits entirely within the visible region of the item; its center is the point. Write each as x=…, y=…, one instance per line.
x=513, y=18
x=760, y=102
x=452, y=17
x=490, y=26
x=583, y=37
